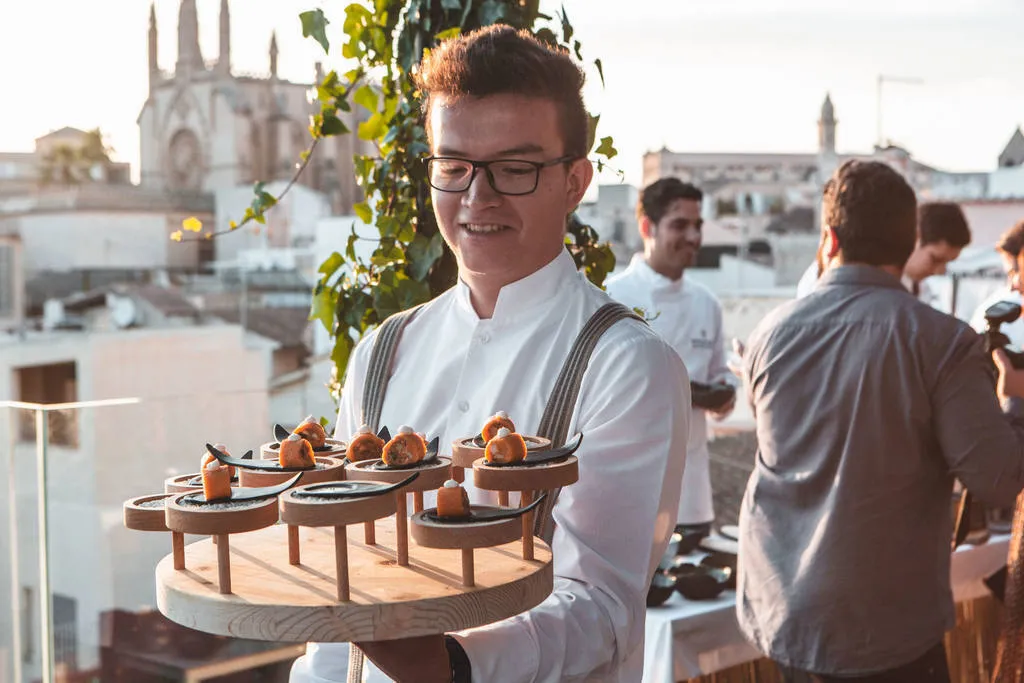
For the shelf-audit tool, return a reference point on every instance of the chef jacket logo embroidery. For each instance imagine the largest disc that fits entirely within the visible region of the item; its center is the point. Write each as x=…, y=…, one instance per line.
x=702, y=342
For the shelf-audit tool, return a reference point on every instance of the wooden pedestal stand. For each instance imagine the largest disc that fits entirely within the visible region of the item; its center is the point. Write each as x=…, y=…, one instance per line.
x=465, y=453
x=273, y=600
x=271, y=450
x=465, y=536
x=219, y=520
x=527, y=480
x=328, y=469
x=302, y=510
x=431, y=478
x=147, y=513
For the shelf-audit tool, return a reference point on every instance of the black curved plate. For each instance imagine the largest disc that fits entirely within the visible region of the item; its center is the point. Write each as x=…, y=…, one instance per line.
x=251, y=493
x=356, y=489
x=542, y=457
x=429, y=458
x=246, y=462
x=479, y=442
x=492, y=515
x=280, y=433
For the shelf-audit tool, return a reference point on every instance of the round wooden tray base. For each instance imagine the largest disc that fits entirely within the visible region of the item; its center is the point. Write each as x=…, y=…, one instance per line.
x=139, y=517
x=431, y=477
x=526, y=478
x=333, y=470
x=276, y=601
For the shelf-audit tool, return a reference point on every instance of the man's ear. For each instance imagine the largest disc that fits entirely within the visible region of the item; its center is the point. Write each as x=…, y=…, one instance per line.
x=832, y=245
x=646, y=228
x=581, y=172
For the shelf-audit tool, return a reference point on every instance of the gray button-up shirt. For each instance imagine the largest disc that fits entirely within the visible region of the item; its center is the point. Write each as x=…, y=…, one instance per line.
x=868, y=404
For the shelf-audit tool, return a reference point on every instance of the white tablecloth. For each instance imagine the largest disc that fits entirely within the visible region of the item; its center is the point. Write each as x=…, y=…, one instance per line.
x=686, y=639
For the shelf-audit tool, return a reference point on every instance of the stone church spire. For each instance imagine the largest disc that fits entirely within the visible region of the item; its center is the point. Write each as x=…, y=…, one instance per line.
x=224, y=60
x=827, y=127
x=189, y=56
x=273, y=54
x=154, y=65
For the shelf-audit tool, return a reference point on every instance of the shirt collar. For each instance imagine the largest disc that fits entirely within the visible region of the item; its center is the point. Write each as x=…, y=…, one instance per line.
x=651, y=277
x=858, y=274
x=533, y=291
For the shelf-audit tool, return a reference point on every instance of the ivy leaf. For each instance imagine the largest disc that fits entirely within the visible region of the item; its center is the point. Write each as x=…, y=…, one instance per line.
x=372, y=128
x=350, y=247
x=364, y=212
x=422, y=254
x=367, y=97
x=332, y=125
x=491, y=12
x=454, y=31
x=600, y=70
x=605, y=148
x=331, y=265
x=314, y=24
x=324, y=301
x=566, y=27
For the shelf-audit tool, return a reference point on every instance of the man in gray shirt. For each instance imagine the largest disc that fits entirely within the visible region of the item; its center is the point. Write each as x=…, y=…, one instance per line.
x=868, y=405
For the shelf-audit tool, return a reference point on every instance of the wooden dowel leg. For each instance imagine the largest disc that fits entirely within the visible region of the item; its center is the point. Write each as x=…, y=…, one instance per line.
x=370, y=533
x=503, y=498
x=417, y=501
x=402, y=528
x=223, y=564
x=525, y=499
x=293, y=544
x=468, y=579
x=178, y=548
x=341, y=561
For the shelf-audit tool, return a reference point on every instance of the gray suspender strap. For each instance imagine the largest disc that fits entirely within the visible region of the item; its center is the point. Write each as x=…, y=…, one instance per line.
x=554, y=424
x=382, y=358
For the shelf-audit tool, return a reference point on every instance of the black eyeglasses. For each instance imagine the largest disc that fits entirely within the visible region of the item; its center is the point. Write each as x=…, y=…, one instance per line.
x=506, y=176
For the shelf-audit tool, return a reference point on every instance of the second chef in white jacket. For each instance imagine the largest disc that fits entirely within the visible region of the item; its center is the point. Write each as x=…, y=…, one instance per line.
x=688, y=316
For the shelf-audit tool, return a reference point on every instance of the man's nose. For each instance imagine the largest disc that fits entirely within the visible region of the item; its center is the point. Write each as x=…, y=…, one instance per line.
x=480, y=191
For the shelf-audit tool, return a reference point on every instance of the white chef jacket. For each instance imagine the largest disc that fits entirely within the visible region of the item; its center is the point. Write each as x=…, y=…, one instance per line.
x=689, y=317
x=453, y=370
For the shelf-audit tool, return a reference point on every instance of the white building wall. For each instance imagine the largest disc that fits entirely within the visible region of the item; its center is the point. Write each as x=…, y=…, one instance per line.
x=195, y=385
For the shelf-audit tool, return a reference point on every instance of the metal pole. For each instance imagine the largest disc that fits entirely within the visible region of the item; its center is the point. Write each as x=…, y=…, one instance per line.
x=12, y=504
x=45, y=609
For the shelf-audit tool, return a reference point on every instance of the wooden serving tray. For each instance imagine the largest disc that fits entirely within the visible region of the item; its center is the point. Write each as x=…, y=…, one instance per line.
x=274, y=600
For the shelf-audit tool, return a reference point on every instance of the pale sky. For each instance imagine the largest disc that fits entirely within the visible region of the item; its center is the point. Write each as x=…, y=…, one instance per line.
x=693, y=75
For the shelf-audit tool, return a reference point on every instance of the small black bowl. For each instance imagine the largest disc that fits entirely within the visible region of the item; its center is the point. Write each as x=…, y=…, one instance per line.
x=689, y=540
x=700, y=582
x=723, y=561
x=662, y=586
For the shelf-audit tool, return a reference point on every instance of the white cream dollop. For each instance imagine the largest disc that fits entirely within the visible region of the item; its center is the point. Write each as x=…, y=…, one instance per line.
x=451, y=484
x=307, y=420
x=364, y=429
x=222, y=448
x=501, y=414
x=213, y=464
x=405, y=429
x=294, y=437
x=502, y=433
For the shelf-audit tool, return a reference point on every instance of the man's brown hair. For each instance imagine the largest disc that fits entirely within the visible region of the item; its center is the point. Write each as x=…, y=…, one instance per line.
x=500, y=60
x=1012, y=241
x=943, y=222
x=873, y=212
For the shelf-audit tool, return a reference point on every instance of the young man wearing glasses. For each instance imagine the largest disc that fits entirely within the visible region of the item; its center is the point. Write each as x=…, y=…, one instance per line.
x=508, y=135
